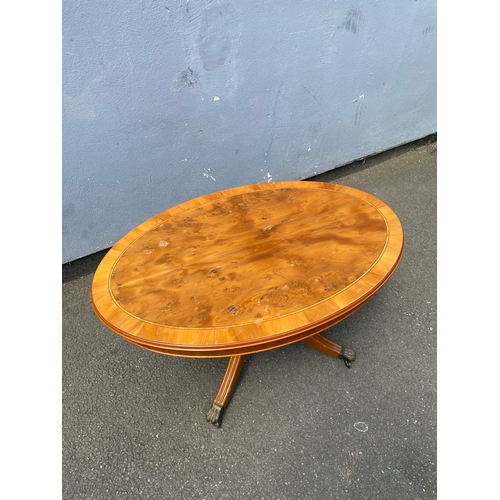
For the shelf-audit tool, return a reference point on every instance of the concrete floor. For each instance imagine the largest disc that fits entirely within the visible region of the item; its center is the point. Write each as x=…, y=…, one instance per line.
x=300, y=425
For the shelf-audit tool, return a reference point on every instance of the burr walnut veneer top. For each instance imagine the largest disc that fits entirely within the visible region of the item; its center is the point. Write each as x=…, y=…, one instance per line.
x=247, y=269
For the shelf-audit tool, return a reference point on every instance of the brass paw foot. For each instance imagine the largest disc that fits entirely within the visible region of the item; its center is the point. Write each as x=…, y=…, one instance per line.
x=348, y=355
x=214, y=414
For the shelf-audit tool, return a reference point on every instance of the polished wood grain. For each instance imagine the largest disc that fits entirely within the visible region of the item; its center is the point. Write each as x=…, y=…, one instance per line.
x=247, y=269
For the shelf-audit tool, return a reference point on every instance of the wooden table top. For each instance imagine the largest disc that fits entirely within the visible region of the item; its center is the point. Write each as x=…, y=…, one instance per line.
x=247, y=269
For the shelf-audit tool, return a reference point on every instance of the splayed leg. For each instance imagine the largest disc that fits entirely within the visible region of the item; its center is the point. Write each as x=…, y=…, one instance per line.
x=221, y=399
x=330, y=348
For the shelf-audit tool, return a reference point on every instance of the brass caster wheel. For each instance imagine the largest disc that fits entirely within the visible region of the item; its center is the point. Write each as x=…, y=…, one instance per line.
x=214, y=414
x=348, y=355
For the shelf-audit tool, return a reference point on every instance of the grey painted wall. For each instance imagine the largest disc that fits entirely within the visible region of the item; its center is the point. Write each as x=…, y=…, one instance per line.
x=167, y=100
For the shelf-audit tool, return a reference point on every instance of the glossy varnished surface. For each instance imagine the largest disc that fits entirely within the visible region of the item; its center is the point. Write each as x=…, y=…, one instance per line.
x=247, y=269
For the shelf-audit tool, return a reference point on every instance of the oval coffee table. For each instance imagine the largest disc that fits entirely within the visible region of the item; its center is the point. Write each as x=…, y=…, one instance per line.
x=248, y=269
